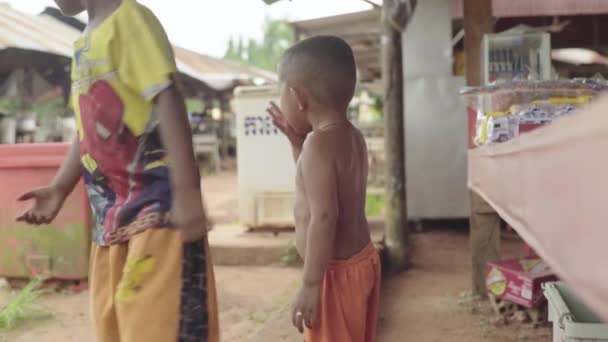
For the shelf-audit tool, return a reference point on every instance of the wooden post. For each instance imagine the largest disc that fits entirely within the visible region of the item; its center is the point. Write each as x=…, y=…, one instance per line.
x=484, y=222
x=396, y=227
x=224, y=135
x=477, y=22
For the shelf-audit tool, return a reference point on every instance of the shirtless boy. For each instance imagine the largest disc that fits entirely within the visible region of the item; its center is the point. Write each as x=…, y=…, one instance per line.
x=338, y=300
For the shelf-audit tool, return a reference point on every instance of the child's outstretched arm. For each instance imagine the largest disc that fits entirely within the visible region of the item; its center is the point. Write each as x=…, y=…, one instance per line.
x=48, y=200
x=320, y=181
x=188, y=212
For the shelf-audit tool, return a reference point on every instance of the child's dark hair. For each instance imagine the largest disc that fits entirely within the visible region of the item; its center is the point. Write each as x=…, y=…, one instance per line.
x=325, y=65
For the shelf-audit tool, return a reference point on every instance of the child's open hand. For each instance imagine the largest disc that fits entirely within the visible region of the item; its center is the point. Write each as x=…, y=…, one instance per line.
x=279, y=120
x=306, y=307
x=47, y=203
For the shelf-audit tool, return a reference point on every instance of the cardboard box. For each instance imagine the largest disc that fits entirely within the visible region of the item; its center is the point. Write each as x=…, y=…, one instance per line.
x=519, y=281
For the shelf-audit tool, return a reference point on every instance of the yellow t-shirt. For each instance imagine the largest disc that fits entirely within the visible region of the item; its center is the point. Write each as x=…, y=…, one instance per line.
x=117, y=71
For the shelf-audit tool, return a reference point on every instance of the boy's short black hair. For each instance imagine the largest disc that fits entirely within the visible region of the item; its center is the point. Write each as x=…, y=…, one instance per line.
x=325, y=65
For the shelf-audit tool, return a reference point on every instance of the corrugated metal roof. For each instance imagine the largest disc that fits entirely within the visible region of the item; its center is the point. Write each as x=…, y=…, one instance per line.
x=39, y=33
x=362, y=30
x=46, y=34
x=534, y=8
x=218, y=73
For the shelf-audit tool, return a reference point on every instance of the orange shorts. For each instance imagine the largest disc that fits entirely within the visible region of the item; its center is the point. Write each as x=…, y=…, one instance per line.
x=349, y=300
x=155, y=288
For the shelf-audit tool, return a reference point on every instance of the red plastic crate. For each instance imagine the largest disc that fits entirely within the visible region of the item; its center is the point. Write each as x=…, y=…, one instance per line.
x=59, y=250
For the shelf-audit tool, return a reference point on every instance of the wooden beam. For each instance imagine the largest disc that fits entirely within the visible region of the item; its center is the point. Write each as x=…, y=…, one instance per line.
x=355, y=38
x=477, y=22
x=484, y=222
x=368, y=61
x=396, y=228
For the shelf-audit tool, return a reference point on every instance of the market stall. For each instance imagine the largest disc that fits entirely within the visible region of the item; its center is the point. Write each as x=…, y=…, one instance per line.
x=549, y=184
x=508, y=176
x=540, y=180
x=500, y=113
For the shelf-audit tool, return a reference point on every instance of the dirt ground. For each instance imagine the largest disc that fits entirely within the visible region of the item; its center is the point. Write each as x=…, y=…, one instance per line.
x=427, y=303
x=430, y=302
x=246, y=302
x=221, y=197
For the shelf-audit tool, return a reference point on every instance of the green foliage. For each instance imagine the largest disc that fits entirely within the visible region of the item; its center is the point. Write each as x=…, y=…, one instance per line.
x=12, y=106
x=374, y=205
x=377, y=108
x=278, y=36
x=52, y=108
x=291, y=257
x=22, y=306
x=194, y=105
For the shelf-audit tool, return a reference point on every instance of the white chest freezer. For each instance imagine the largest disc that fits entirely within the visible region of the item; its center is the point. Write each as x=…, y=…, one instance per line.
x=266, y=170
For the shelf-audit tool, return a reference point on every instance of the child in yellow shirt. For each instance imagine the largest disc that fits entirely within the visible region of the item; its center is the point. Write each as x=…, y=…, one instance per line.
x=151, y=274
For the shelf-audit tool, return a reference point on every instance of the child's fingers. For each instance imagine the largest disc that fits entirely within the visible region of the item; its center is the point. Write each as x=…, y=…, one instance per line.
x=23, y=217
x=279, y=125
x=271, y=113
x=281, y=128
x=34, y=219
x=298, y=319
x=293, y=317
x=27, y=217
x=314, y=317
x=275, y=108
x=276, y=120
x=27, y=196
x=308, y=321
x=301, y=324
x=43, y=219
x=276, y=113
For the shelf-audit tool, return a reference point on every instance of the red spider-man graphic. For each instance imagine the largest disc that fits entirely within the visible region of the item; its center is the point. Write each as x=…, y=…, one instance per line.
x=107, y=139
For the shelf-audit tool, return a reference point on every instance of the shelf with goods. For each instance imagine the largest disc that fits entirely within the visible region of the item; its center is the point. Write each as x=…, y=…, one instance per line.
x=518, y=97
x=540, y=181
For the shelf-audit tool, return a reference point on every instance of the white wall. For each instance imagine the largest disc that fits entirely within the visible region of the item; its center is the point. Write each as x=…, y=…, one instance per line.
x=435, y=117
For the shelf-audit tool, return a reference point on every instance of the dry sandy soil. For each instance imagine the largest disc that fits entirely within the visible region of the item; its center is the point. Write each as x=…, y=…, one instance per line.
x=427, y=303
x=248, y=297
x=430, y=302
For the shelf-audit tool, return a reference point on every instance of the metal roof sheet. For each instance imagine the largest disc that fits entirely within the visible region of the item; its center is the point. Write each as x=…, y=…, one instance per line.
x=46, y=34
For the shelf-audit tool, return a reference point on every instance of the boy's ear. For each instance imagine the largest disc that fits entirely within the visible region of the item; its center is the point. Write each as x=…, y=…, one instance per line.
x=300, y=98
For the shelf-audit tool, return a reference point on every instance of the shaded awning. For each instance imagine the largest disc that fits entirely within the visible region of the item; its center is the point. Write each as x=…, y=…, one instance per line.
x=362, y=31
